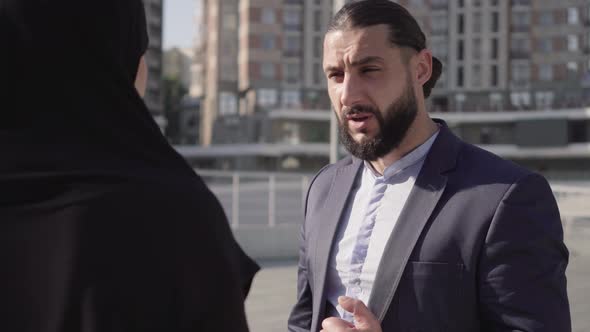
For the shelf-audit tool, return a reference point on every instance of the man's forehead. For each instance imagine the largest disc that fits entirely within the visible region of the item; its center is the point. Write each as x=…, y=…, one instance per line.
x=366, y=36
x=354, y=44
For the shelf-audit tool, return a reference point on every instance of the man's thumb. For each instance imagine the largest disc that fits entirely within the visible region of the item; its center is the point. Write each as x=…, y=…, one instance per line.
x=362, y=315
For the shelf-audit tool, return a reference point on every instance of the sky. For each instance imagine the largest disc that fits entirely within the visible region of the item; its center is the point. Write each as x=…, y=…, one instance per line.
x=178, y=23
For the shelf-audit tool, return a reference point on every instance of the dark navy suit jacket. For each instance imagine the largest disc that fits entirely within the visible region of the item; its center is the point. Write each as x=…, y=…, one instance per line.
x=477, y=247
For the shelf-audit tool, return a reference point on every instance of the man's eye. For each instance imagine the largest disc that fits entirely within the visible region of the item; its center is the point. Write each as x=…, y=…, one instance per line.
x=369, y=70
x=334, y=75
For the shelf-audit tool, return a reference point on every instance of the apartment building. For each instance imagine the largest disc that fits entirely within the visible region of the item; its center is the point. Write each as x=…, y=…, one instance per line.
x=506, y=64
x=258, y=56
x=153, y=96
x=508, y=55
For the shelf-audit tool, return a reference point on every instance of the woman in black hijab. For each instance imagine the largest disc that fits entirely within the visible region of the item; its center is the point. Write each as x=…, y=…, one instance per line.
x=103, y=226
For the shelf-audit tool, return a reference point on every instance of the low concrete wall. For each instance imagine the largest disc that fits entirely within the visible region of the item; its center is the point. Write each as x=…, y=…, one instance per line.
x=264, y=242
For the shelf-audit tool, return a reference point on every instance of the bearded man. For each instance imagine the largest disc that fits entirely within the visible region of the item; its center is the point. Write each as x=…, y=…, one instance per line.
x=418, y=230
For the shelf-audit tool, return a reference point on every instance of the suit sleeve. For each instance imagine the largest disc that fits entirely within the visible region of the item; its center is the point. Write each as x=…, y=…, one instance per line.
x=301, y=315
x=522, y=282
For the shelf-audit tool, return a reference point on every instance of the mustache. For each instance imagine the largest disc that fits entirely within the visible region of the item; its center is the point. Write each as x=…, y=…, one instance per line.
x=359, y=109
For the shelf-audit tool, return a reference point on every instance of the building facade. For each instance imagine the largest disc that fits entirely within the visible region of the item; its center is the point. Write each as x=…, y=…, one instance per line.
x=153, y=96
x=508, y=55
x=516, y=81
x=257, y=56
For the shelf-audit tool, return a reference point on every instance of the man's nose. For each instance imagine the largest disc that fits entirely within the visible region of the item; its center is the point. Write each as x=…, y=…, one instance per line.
x=352, y=91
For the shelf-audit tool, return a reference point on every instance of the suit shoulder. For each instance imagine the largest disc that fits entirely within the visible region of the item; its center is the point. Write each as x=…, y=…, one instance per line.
x=328, y=171
x=473, y=159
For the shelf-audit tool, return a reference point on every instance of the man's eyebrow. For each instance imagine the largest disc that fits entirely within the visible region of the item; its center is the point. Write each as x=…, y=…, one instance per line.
x=363, y=61
x=366, y=60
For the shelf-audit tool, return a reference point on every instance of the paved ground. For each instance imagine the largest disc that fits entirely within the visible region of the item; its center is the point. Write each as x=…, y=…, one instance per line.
x=273, y=292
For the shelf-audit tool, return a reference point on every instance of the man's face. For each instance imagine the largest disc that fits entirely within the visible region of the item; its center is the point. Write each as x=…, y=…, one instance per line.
x=371, y=90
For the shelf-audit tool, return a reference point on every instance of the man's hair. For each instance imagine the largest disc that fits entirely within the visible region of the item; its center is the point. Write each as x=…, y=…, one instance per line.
x=404, y=30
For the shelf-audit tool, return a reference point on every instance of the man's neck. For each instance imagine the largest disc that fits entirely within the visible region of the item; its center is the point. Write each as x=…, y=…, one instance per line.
x=417, y=134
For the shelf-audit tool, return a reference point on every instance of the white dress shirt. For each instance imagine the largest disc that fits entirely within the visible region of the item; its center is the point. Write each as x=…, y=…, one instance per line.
x=369, y=218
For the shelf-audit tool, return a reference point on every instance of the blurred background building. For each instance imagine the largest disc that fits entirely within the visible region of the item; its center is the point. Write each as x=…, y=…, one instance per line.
x=516, y=80
x=254, y=57
x=508, y=55
x=153, y=96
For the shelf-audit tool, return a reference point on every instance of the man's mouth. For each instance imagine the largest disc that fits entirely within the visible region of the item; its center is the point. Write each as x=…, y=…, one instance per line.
x=358, y=117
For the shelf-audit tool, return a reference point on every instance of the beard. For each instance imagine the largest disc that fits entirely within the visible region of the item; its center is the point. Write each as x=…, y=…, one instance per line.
x=393, y=127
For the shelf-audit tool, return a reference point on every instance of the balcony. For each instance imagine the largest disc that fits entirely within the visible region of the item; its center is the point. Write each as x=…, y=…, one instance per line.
x=521, y=3
x=439, y=5
x=520, y=54
x=520, y=28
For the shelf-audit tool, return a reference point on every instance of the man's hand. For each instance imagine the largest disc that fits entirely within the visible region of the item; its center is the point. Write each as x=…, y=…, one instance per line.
x=364, y=320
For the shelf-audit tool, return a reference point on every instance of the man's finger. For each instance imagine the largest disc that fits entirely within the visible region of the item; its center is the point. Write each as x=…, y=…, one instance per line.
x=363, y=317
x=334, y=324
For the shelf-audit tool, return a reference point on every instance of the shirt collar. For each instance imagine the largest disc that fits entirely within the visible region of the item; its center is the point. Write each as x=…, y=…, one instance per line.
x=412, y=158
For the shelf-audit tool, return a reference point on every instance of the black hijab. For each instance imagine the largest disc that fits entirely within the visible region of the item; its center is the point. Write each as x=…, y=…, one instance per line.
x=70, y=105
x=74, y=130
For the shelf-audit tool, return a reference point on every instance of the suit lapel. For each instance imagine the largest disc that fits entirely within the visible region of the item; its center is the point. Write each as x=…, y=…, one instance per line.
x=423, y=198
x=329, y=219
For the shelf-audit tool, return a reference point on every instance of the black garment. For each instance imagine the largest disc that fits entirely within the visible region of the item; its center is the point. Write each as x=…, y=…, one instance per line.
x=103, y=226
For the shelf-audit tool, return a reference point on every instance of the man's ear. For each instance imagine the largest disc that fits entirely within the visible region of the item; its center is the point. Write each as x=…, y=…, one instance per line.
x=423, y=66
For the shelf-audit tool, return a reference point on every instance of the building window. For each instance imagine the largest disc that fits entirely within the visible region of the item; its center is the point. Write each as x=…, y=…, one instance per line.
x=477, y=22
x=544, y=99
x=291, y=98
x=460, y=49
x=572, y=68
x=439, y=3
x=267, y=97
x=230, y=21
x=459, y=76
x=520, y=74
x=476, y=48
x=442, y=80
x=292, y=45
x=493, y=3
x=495, y=21
x=318, y=74
x=317, y=47
x=521, y=19
x=267, y=70
x=545, y=45
x=268, y=42
x=292, y=72
x=546, y=18
x=494, y=54
x=476, y=76
x=292, y=19
x=439, y=24
x=317, y=20
x=268, y=16
x=572, y=43
x=496, y=101
x=494, y=77
x=440, y=48
x=546, y=72
x=460, y=23
x=573, y=16
x=228, y=103
x=520, y=45
x=520, y=100
x=461, y=3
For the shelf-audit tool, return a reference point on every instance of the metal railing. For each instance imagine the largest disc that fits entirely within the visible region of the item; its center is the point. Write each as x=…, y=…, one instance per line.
x=258, y=199
x=574, y=207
